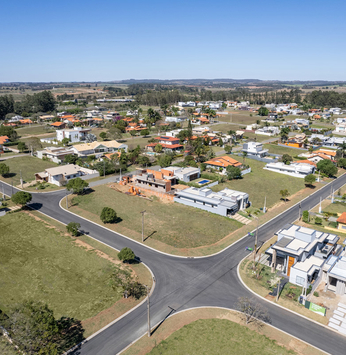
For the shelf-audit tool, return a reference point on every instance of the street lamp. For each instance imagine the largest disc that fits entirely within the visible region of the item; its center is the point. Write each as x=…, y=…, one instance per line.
x=148, y=308
x=142, y=225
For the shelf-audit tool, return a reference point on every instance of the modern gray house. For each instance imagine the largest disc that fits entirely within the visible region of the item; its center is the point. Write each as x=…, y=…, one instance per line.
x=225, y=203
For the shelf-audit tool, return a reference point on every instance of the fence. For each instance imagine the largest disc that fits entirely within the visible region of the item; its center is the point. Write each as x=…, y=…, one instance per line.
x=264, y=160
x=213, y=184
x=243, y=172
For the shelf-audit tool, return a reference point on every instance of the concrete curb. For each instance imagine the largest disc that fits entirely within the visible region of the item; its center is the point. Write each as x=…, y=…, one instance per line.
x=227, y=309
x=278, y=305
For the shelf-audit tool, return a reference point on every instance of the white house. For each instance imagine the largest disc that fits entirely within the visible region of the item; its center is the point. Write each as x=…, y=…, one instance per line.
x=254, y=148
x=301, y=252
x=175, y=119
x=340, y=128
x=335, y=110
x=98, y=148
x=173, y=133
x=76, y=134
x=185, y=174
x=55, y=154
x=268, y=131
x=187, y=104
x=61, y=175
x=299, y=170
x=225, y=202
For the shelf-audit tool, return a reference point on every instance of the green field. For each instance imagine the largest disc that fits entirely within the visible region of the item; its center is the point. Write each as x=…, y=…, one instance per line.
x=218, y=336
x=171, y=223
x=34, y=130
x=278, y=149
x=43, y=264
x=336, y=207
x=241, y=117
x=28, y=165
x=257, y=137
x=262, y=183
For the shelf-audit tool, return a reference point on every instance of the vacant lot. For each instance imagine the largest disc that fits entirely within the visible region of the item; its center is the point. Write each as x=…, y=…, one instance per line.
x=34, y=130
x=278, y=149
x=262, y=183
x=257, y=137
x=45, y=265
x=173, y=224
x=207, y=335
x=28, y=165
x=224, y=127
x=241, y=117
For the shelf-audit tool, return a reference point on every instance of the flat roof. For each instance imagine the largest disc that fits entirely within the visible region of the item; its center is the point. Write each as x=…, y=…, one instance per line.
x=339, y=269
x=297, y=244
x=308, y=263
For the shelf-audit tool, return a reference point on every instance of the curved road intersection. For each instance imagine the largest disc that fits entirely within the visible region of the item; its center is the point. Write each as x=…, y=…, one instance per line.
x=182, y=283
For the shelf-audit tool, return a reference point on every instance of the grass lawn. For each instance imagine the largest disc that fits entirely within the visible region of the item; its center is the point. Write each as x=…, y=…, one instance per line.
x=262, y=183
x=278, y=149
x=45, y=265
x=133, y=142
x=28, y=165
x=224, y=128
x=171, y=223
x=241, y=117
x=6, y=348
x=34, y=130
x=256, y=137
x=70, y=275
x=336, y=207
x=207, y=335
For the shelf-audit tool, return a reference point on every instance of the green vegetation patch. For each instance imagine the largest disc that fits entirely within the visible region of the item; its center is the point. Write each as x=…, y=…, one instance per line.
x=42, y=264
x=28, y=165
x=218, y=336
x=278, y=149
x=261, y=183
x=171, y=223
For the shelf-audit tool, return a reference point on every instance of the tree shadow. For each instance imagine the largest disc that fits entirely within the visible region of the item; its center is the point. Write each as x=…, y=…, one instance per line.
x=10, y=175
x=35, y=206
x=71, y=333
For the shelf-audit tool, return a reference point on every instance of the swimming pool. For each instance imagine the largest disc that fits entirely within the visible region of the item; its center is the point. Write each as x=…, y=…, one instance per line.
x=202, y=182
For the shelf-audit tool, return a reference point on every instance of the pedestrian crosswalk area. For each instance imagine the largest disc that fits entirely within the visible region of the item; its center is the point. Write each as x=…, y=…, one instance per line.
x=338, y=319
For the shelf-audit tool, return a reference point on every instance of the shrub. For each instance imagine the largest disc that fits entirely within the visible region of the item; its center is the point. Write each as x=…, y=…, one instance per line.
x=108, y=215
x=126, y=255
x=316, y=294
x=73, y=228
x=318, y=220
x=306, y=216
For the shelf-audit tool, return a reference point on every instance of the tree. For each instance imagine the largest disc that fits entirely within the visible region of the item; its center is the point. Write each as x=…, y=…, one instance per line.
x=70, y=159
x=126, y=255
x=158, y=148
x=33, y=144
x=103, y=135
x=143, y=160
x=114, y=133
x=21, y=198
x=65, y=141
x=165, y=160
x=342, y=163
x=309, y=179
x=77, y=186
x=252, y=312
x=263, y=111
x=220, y=142
x=233, y=172
x=89, y=138
x=286, y=158
x=244, y=156
x=305, y=216
x=22, y=146
x=284, y=133
x=108, y=215
x=144, y=132
x=4, y=169
x=327, y=168
x=228, y=149
x=284, y=194
x=34, y=330
x=73, y=228
x=123, y=280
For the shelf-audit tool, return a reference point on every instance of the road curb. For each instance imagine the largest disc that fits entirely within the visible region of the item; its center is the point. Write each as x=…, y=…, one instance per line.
x=225, y=308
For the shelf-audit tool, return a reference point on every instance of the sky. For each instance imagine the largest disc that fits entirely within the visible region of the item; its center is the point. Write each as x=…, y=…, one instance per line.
x=108, y=40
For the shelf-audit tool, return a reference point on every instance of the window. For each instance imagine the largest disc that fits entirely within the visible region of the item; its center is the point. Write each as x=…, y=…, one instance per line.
x=343, y=227
x=300, y=281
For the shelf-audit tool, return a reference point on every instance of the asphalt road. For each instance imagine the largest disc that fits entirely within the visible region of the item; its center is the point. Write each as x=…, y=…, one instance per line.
x=182, y=283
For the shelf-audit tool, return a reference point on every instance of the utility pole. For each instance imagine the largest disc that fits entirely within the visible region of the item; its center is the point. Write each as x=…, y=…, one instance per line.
x=265, y=202
x=120, y=175
x=11, y=187
x=300, y=211
x=255, y=250
x=21, y=179
x=66, y=200
x=320, y=208
x=148, y=307
x=104, y=168
x=142, y=225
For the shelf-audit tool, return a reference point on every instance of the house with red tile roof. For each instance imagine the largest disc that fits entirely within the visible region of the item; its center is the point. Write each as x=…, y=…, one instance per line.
x=221, y=163
x=167, y=143
x=58, y=125
x=342, y=222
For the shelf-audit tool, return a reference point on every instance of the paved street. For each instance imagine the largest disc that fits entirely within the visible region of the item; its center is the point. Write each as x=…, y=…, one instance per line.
x=183, y=283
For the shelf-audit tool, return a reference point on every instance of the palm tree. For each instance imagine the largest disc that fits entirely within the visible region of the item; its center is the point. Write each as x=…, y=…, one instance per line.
x=244, y=156
x=284, y=194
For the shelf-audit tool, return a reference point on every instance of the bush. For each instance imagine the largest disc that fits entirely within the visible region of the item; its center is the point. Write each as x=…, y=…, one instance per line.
x=316, y=294
x=333, y=224
x=126, y=255
x=21, y=198
x=318, y=220
x=73, y=228
x=108, y=215
x=306, y=216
